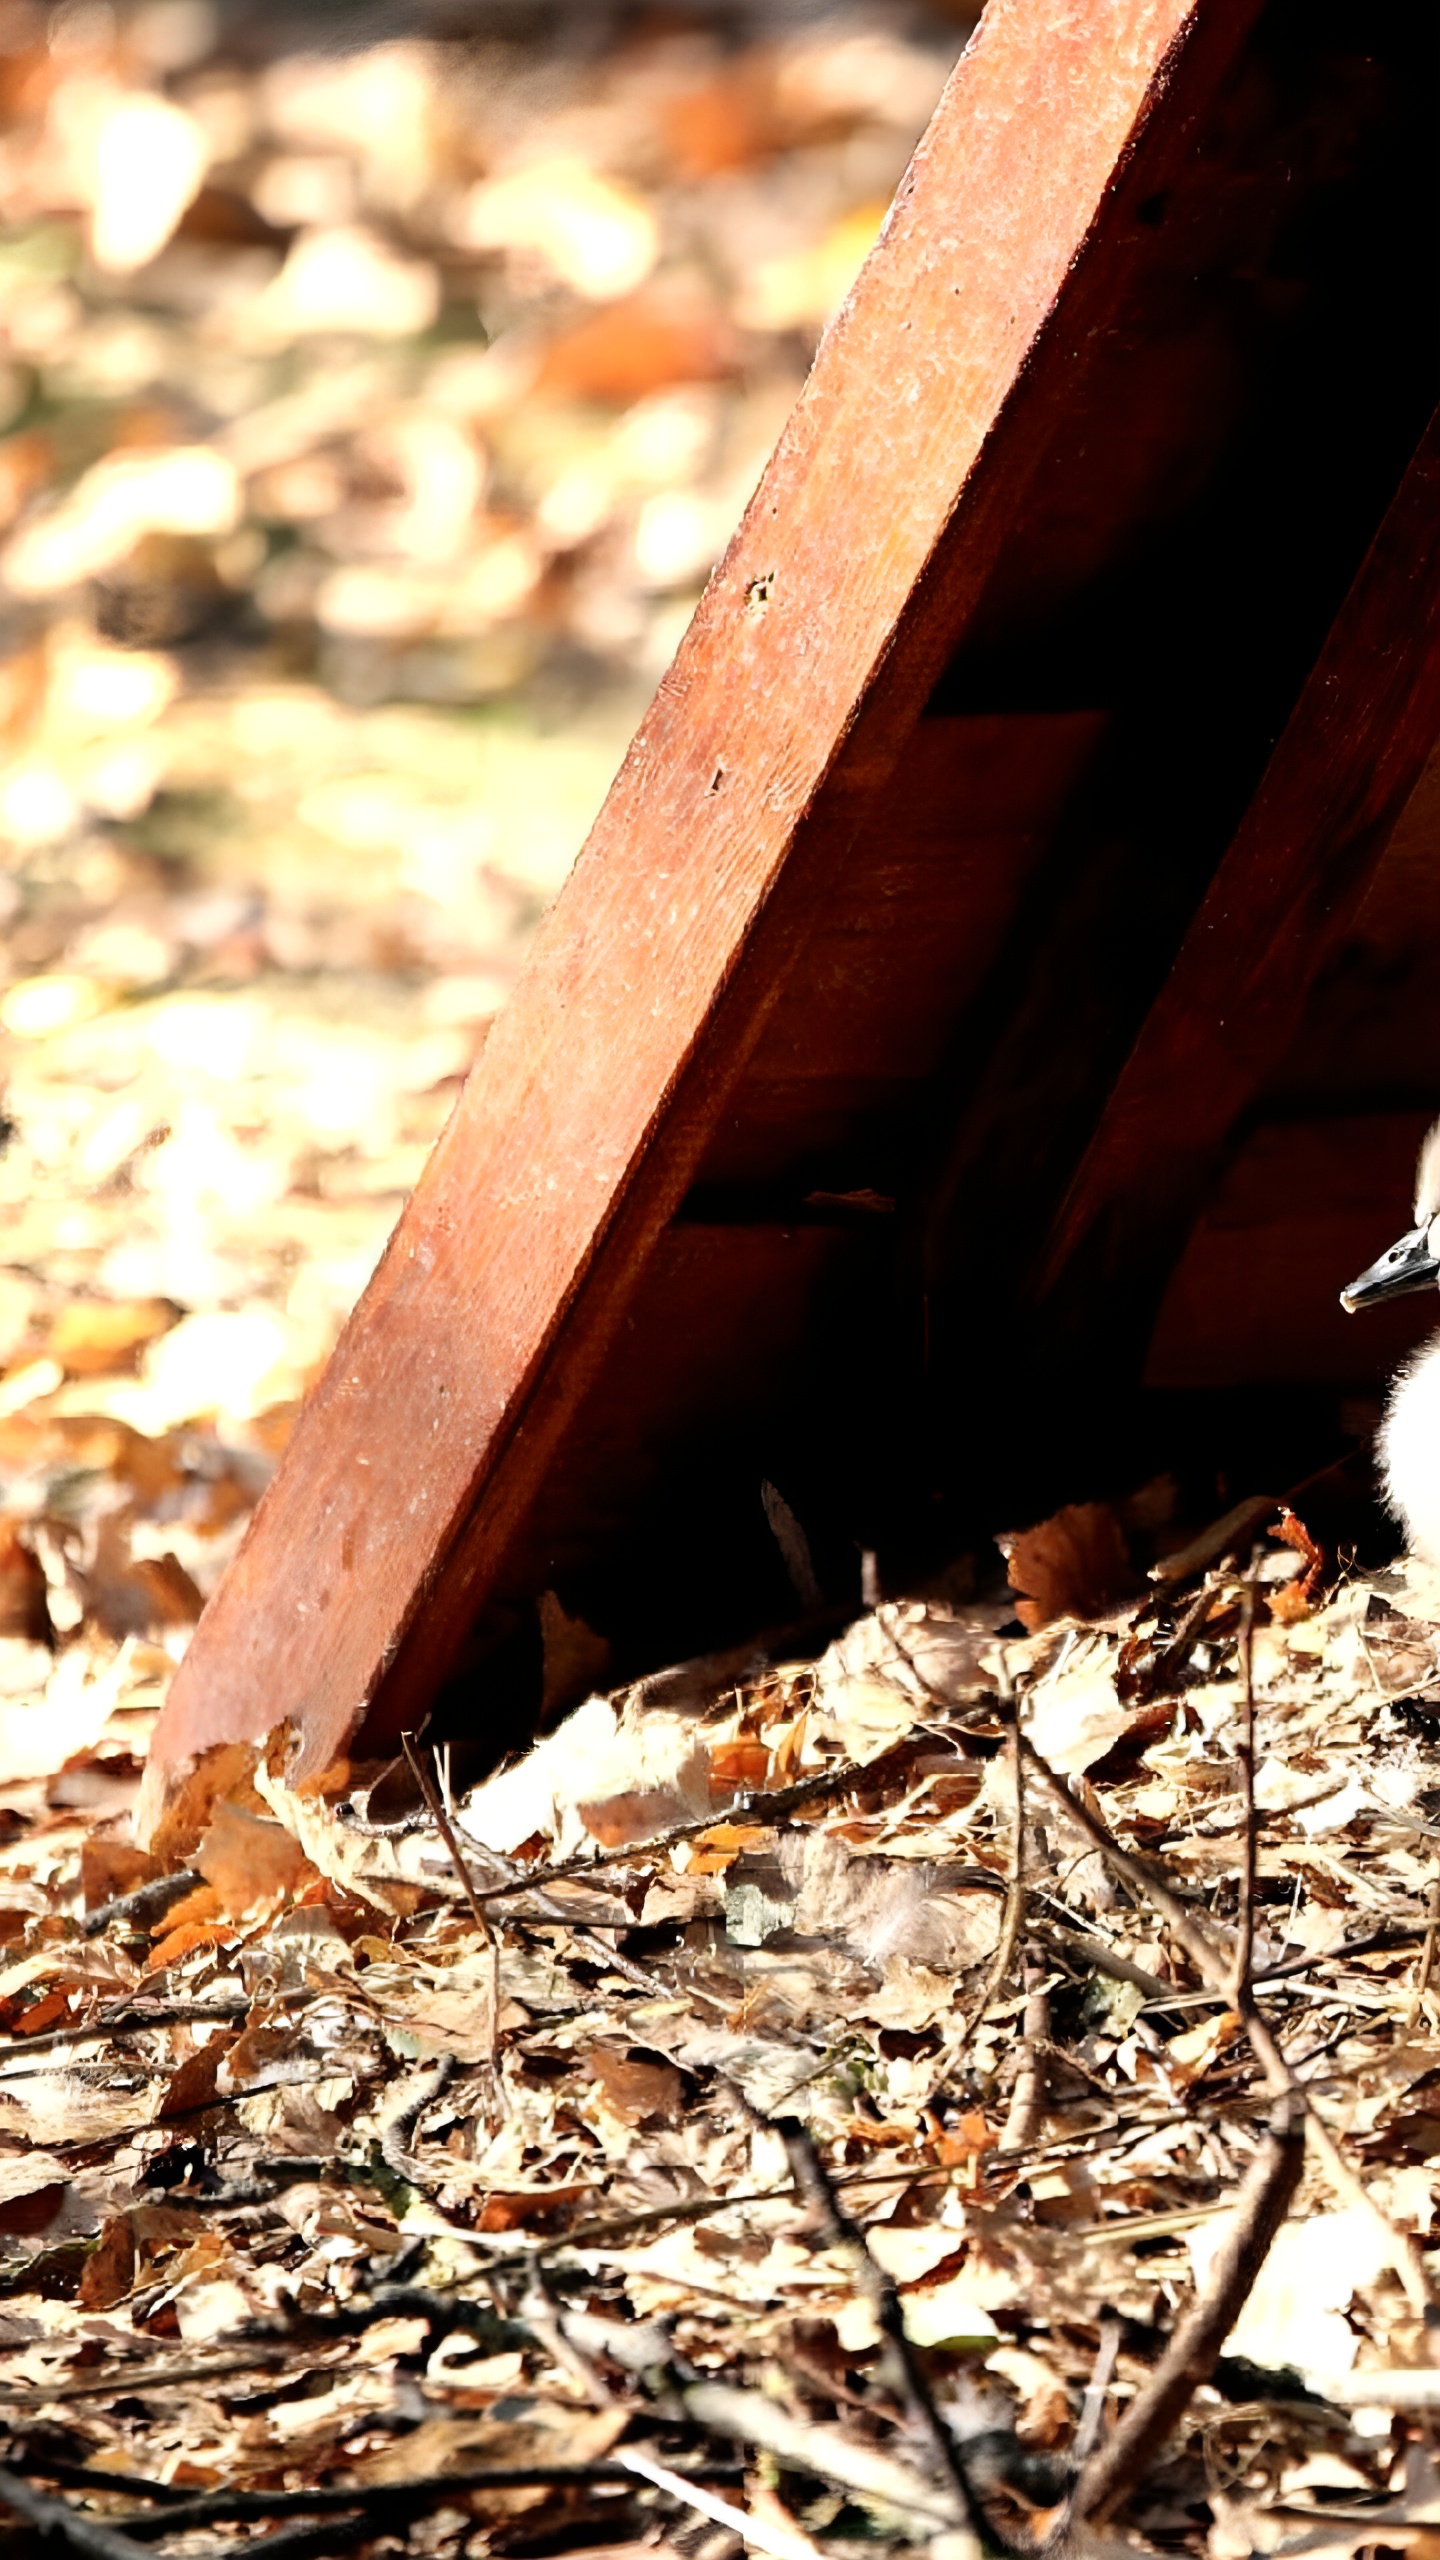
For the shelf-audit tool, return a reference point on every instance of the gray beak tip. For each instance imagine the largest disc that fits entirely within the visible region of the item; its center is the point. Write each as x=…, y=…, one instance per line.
x=1407, y=1266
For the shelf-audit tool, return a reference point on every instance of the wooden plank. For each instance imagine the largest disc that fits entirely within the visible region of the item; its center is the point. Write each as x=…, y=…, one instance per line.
x=1254, y=1299
x=1371, y=1033
x=914, y=917
x=761, y=1340
x=1282, y=900
x=415, y=1463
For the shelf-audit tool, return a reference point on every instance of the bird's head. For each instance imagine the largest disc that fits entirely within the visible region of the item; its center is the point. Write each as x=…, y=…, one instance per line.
x=1413, y=1262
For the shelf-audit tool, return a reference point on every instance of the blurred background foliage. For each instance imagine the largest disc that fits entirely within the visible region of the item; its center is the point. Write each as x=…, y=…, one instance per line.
x=378, y=390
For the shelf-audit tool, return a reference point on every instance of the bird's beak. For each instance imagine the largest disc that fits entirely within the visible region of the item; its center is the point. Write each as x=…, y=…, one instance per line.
x=1408, y=1265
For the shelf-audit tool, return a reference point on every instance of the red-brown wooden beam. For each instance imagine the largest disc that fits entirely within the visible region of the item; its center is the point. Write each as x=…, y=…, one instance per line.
x=858, y=567
x=1282, y=900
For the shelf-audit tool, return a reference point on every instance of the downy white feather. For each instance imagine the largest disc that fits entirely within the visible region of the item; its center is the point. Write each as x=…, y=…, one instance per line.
x=1409, y=1450
x=1409, y=1443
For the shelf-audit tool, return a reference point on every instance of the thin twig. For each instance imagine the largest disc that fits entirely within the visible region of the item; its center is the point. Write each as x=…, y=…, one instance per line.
x=550, y=1909
x=1220, y=1538
x=1260, y=2208
x=386, y=2498
x=1094, y=1951
x=1427, y=1954
x=1027, y=2100
x=905, y=2371
x=755, y=2531
x=1013, y=1914
x=761, y=1812
x=1393, y=1933
x=57, y=2520
x=751, y=2417
x=1092, y=2407
x=641, y=1976
x=1171, y=1659
x=1404, y=2256
x=1245, y=1933
x=147, y=1902
x=120, y=2377
x=133, y=2019
x=542, y=2312
x=296, y=2541
x=424, y=1780
x=1216, y=1965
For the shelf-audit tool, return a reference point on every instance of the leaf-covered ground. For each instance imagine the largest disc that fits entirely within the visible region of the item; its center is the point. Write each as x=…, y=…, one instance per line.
x=780, y=2110
x=817, y=2113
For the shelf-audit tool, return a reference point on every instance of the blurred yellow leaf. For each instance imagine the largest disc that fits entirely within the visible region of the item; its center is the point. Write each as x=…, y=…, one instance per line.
x=803, y=289
x=35, y=1008
x=184, y=489
x=598, y=237
x=147, y=160
x=346, y=279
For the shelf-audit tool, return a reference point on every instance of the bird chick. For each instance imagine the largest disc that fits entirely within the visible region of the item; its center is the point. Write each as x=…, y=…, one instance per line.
x=1409, y=1442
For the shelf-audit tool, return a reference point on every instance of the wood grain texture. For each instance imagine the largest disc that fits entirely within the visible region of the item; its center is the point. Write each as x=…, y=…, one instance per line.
x=846, y=588
x=1283, y=898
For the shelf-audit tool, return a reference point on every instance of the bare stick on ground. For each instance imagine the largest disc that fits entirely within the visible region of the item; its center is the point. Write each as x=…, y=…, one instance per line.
x=1027, y=2103
x=1092, y=2410
x=1109, y=2474
x=386, y=2501
x=1427, y=1954
x=425, y=1780
x=146, y=1903
x=826, y=2453
x=1260, y=2208
x=905, y=2373
x=639, y=1974
x=1013, y=1915
x=757, y=2532
x=55, y=2520
x=1216, y=1965
x=1245, y=1932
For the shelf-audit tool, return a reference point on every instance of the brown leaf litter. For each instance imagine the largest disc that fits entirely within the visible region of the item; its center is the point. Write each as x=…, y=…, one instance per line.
x=789, y=2109
x=801, y=2147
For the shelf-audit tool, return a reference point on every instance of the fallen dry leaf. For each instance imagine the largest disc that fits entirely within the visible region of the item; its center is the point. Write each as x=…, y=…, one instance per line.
x=248, y=1860
x=110, y=2267
x=637, y=2092
x=191, y=2084
x=31, y=2187
x=550, y=2434
x=1073, y=1565
x=110, y=1868
x=179, y=1943
x=96, y=1337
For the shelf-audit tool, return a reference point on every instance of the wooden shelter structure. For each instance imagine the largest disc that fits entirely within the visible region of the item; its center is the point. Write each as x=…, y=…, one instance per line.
x=994, y=1011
